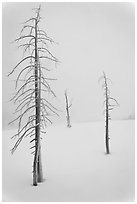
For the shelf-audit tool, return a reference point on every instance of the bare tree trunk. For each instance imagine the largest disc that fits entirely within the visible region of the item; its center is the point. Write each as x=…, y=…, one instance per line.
x=67, y=110
x=35, y=172
x=107, y=136
x=39, y=168
x=107, y=114
x=37, y=102
x=68, y=118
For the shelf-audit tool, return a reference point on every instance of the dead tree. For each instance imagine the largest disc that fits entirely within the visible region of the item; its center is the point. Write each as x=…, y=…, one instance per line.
x=109, y=104
x=32, y=89
x=67, y=110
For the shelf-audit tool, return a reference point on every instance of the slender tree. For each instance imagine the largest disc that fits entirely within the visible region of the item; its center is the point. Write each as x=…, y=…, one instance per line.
x=109, y=103
x=32, y=89
x=67, y=110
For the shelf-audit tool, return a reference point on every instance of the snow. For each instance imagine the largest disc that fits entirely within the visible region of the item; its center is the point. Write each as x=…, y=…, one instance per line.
x=75, y=165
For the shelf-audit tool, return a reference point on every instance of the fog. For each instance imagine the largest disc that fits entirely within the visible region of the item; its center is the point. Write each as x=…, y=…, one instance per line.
x=91, y=37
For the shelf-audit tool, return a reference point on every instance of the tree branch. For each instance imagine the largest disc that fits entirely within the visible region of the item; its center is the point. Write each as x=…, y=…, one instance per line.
x=20, y=63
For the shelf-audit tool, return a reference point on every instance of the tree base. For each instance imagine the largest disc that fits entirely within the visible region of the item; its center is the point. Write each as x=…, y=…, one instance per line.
x=35, y=184
x=107, y=153
x=40, y=179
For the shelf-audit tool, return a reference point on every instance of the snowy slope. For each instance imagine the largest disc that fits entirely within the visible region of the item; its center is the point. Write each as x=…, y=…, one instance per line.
x=75, y=166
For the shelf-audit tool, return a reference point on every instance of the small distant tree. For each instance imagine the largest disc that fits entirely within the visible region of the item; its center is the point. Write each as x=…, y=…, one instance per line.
x=109, y=104
x=67, y=109
x=31, y=96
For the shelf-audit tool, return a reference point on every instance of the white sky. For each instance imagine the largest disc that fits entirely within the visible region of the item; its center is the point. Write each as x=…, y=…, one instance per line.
x=92, y=37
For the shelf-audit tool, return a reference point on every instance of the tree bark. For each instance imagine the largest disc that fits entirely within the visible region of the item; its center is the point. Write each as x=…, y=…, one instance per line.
x=39, y=168
x=107, y=113
x=67, y=110
x=107, y=136
x=35, y=171
x=68, y=118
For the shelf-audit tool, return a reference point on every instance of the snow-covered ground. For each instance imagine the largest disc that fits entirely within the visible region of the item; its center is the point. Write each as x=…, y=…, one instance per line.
x=75, y=166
